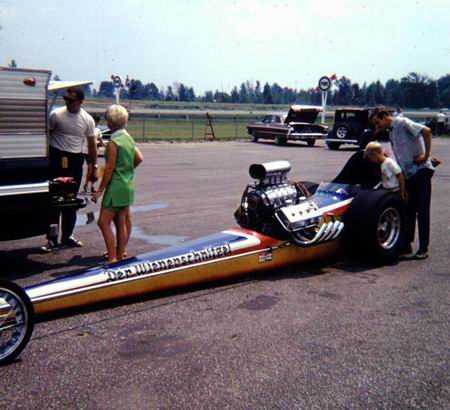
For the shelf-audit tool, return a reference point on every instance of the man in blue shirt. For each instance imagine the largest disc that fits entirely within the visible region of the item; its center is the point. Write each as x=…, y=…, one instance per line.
x=411, y=143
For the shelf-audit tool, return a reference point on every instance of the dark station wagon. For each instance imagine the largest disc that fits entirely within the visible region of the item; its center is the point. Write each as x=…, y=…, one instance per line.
x=297, y=125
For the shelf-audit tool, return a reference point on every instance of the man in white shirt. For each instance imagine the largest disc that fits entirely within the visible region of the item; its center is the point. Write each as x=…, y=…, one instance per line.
x=70, y=127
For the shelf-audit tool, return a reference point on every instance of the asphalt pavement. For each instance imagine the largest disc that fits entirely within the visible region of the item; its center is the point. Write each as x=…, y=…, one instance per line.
x=337, y=334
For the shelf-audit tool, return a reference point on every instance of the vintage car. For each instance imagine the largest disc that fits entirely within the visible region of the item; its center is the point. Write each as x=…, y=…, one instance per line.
x=26, y=189
x=351, y=126
x=281, y=223
x=297, y=125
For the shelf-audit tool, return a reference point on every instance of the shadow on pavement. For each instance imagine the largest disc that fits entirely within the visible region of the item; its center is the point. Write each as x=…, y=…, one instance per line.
x=16, y=264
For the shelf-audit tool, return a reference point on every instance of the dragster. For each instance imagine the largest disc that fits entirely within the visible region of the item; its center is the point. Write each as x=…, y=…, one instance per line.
x=281, y=223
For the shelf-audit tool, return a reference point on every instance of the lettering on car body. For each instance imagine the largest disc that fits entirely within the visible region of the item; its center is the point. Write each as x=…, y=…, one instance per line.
x=189, y=258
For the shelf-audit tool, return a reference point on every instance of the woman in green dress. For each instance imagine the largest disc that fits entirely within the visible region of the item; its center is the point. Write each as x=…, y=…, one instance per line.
x=117, y=186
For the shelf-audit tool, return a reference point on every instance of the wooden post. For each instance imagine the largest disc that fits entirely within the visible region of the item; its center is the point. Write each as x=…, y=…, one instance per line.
x=209, y=130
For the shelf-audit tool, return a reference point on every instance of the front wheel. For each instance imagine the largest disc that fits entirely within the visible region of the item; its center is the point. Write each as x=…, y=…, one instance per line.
x=311, y=142
x=280, y=140
x=16, y=321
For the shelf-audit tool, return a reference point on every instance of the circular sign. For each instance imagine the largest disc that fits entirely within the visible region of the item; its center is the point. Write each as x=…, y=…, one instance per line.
x=324, y=83
x=117, y=81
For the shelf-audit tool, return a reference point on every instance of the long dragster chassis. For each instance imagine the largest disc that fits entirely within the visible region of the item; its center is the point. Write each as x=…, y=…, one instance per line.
x=281, y=224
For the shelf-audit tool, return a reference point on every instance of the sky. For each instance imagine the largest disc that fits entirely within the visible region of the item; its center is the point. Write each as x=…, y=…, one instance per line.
x=216, y=44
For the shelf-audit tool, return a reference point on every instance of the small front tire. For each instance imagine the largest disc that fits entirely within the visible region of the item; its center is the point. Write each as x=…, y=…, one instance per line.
x=16, y=321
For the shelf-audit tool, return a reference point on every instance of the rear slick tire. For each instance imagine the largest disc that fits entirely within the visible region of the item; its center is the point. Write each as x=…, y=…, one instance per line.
x=374, y=225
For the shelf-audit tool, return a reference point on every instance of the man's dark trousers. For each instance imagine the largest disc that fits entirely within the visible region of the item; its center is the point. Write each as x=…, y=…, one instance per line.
x=71, y=167
x=419, y=199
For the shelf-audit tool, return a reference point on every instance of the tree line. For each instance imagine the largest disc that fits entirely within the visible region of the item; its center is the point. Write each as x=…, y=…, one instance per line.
x=414, y=90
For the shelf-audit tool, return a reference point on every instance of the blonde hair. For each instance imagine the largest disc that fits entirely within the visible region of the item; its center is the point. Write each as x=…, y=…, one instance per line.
x=373, y=146
x=118, y=115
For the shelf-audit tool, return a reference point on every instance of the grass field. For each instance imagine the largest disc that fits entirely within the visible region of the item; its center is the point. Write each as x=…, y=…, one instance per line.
x=151, y=129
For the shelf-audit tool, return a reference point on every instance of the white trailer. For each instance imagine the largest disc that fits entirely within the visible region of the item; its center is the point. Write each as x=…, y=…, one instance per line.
x=28, y=198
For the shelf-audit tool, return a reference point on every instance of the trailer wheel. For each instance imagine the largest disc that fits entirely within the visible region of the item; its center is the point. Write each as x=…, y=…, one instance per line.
x=16, y=321
x=280, y=140
x=374, y=225
x=311, y=142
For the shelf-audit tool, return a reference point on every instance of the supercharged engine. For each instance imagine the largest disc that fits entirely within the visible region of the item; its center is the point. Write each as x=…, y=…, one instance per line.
x=277, y=207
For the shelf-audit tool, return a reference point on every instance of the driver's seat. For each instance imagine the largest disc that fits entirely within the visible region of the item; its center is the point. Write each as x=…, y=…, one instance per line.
x=360, y=171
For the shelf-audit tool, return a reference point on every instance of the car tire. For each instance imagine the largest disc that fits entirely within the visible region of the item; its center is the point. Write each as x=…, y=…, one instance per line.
x=333, y=145
x=254, y=138
x=280, y=140
x=16, y=293
x=375, y=224
x=311, y=142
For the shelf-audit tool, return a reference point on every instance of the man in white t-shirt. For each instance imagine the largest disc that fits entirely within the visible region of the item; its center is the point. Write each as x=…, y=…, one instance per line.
x=391, y=174
x=70, y=127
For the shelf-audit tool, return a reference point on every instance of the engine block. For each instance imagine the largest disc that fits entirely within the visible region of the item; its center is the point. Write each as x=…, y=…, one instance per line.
x=271, y=192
